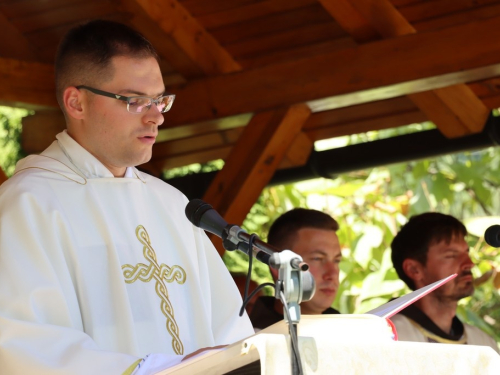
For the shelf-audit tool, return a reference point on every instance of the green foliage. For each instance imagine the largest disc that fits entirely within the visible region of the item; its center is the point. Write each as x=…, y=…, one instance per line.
x=10, y=134
x=215, y=165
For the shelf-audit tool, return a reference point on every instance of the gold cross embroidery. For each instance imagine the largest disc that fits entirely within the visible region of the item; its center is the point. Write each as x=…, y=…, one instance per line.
x=161, y=273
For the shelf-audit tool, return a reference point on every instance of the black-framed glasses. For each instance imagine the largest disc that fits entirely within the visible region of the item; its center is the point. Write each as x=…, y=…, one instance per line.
x=137, y=104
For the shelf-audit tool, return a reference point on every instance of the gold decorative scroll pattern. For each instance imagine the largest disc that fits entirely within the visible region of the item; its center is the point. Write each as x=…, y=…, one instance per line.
x=161, y=273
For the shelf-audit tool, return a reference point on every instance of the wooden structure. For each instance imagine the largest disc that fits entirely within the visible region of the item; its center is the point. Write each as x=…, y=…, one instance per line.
x=258, y=81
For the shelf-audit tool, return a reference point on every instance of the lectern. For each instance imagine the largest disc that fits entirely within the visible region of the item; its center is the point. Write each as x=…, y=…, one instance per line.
x=340, y=344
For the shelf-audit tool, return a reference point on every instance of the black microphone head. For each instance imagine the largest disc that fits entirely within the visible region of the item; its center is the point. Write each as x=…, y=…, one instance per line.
x=492, y=236
x=195, y=210
x=203, y=216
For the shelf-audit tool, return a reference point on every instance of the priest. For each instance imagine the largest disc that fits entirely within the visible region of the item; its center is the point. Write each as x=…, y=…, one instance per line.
x=100, y=271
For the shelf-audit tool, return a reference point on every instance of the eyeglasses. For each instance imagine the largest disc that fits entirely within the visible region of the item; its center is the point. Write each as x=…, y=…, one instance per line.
x=137, y=104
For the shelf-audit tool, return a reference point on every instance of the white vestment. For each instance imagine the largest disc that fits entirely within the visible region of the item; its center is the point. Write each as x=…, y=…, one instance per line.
x=411, y=331
x=96, y=272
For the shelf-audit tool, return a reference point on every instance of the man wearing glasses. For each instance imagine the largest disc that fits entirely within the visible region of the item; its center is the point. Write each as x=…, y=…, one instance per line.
x=100, y=271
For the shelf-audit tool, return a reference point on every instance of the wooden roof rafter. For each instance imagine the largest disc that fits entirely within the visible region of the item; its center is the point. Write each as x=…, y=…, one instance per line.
x=231, y=60
x=455, y=109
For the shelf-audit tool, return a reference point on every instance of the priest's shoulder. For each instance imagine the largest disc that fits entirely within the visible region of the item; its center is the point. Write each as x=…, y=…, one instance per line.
x=161, y=186
x=36, y=168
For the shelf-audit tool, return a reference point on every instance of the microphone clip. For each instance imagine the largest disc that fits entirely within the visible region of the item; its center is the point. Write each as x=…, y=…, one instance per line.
x=230, y=240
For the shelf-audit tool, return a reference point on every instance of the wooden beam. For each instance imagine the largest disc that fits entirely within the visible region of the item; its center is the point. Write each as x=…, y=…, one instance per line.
x=379, y=70
x=253, y=161
x=455, y=110
x=164, y=44
x=198, y=44
x=27, y=82
x=201, y=142
x=348, y=17
x=13, y=44
x=298, y=152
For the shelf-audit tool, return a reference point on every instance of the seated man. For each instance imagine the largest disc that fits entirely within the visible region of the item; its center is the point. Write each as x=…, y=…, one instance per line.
x=310, y=234
x=429, y=247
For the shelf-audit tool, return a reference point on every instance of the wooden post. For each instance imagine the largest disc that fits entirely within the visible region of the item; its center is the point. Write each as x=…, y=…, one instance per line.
x=253, y=161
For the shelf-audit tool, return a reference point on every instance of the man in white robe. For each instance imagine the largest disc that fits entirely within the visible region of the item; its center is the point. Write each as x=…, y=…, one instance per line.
x=100, y=271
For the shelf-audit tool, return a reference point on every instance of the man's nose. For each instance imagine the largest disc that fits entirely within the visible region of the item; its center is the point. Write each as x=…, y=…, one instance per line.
x=467, y=263
x=330, y=271
x=154, y=116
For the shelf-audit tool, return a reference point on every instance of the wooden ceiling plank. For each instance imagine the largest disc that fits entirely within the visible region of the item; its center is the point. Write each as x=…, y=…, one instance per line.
x=372, y=110
x=15, y=45
x=198, y=8
x=453, y=19
x=27, y=82
x=250, y=11
x=335, y=74
x=286, y=40
x=197, y=43
x=455, y=110
x=374, y=71
x=253, y=161
x=68, y=14
x=275, y=23
x=313, y=48
x=427, y=10
x=23, y=8
x=365, y=125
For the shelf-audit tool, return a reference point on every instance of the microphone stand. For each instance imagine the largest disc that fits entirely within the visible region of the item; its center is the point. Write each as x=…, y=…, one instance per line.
x=294, y=285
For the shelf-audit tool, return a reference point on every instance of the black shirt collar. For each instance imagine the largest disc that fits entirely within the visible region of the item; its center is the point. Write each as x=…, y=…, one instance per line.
x=418, y=316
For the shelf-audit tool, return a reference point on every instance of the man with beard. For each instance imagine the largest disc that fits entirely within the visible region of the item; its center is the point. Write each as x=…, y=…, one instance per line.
x=310, y=234
x=429, y=247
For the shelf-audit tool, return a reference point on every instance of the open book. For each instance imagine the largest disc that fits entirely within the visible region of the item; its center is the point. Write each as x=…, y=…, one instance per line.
x=393, y=307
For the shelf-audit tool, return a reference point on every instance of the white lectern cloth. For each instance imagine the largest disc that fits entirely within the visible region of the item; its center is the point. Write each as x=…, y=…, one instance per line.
x=96, y=272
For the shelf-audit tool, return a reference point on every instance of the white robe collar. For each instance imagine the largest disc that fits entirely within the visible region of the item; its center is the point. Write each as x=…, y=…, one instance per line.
x=86, y=163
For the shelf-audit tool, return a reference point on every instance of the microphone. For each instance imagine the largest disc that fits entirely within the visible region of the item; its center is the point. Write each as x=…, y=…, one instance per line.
x=492, y=236
x=204, y=216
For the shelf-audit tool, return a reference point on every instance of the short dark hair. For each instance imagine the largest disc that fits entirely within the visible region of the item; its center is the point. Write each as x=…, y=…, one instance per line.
x=84, y=54
x=418, y=234
x=284, y=230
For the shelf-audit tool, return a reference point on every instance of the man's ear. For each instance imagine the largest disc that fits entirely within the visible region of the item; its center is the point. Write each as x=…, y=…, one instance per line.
x=413, y=269
x=72, y=100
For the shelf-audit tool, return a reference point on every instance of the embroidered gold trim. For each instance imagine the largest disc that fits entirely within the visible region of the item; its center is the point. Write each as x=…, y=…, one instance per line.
x=161, y=273
x=138, y=177
x=60, y=174
x=430, y=335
